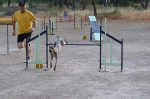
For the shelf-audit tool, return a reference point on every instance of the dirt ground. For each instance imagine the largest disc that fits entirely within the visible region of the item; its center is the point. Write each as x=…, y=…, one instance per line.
x=77, y=74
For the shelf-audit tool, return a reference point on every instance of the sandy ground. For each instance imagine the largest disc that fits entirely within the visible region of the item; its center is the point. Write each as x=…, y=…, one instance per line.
x=77, y=74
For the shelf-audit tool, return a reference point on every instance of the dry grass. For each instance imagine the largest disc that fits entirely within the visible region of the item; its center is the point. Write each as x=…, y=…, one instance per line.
x=110, y=12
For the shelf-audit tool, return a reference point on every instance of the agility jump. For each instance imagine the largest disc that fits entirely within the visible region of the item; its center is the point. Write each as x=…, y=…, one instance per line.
x=100, y=46
x=6, y=21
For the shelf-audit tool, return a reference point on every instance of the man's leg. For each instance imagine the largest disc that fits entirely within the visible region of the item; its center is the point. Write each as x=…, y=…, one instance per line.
x=23, y=45
x=29, y=48
x=28, y=35
x=21, y=42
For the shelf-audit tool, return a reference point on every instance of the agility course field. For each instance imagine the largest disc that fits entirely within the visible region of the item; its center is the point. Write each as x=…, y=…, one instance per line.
x=77, y=75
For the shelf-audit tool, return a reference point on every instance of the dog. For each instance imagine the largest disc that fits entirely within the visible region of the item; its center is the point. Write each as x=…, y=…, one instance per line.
x=55, y=49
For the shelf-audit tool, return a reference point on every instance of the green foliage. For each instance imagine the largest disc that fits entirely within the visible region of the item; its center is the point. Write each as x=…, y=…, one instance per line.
x=1, y=2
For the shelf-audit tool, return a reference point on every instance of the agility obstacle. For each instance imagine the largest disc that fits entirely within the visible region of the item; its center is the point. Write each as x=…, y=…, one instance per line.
x=111, y=63
x=77, y=22
x=46, y=62
x=37, y=53
x=51, y=26
x=95, y=35
x=6, y=21
x=95, y=30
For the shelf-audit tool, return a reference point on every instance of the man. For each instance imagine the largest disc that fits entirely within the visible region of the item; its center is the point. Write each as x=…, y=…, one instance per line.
x=26, y=24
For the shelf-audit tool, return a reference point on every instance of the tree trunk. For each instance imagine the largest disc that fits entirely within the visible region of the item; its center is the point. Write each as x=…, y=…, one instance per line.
x=95, y=13
x=60, y=3
x=104, y=2
x=9, y=2
x=144, y=5
x=84, y=4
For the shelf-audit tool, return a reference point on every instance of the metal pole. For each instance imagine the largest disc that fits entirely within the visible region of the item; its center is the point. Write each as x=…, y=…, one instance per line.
x=85, y=18
x=46, y=47
x=105, y=44
x=26, y=54
x=42, y=25
x=91, y=34
x=100, y=19
x=74, y=21
x=44, y=22
x=52, y=22
x=56, y=23
x=7, y=40
x=81, y=23
x=49, y=25
x=89, y=19
x=52, y=27
x=122, y=55
x=100, y=50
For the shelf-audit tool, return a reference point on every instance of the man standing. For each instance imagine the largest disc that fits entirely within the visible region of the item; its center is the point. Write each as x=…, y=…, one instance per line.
x=26, y=24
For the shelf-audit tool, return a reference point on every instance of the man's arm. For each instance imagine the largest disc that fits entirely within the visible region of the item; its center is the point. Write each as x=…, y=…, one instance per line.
x=33, y=26
x=14, y=28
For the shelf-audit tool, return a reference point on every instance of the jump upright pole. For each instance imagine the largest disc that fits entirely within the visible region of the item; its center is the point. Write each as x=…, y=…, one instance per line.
x=44, y=22
x=122, y=55
x=74, y=21
x=100, y=63
x=46, y=47
x=81, y=23
x=7, y=40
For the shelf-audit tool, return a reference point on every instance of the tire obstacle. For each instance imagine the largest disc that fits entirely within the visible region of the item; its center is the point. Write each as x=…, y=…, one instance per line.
x=100, y=47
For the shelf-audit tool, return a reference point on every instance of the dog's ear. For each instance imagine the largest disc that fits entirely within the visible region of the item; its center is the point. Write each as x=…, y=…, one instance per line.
x=65, y=40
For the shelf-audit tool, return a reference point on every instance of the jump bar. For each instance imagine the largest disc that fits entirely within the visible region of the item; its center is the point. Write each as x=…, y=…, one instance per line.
x=82, y=44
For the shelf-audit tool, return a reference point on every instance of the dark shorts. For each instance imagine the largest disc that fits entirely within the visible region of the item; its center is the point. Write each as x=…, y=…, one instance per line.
x=21, y=37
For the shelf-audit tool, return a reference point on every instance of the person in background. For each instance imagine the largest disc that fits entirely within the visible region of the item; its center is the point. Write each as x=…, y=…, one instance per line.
x=26, y=24
x=65, y=16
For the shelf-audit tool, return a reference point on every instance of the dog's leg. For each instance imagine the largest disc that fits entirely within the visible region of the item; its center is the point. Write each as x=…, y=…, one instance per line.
x=51, y=61
x=56, y=57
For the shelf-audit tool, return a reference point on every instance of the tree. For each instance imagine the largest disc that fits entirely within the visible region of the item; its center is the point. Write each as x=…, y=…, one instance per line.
x=9, y=1
x=94, y=7
x=144, y=5
x=60, y=3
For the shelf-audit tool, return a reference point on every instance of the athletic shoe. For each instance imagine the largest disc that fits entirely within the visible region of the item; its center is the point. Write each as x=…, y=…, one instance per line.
x=29, y=60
